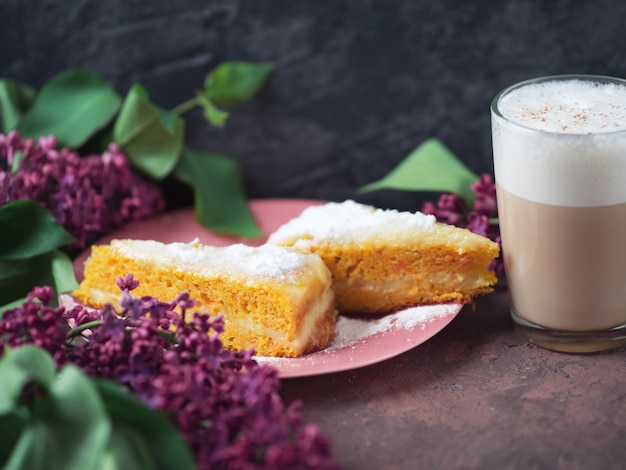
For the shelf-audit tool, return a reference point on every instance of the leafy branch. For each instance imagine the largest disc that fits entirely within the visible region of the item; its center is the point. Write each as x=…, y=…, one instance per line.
x=79, y=105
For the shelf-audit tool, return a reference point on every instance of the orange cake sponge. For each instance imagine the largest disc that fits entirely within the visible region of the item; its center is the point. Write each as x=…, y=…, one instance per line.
x=274, y=299
x=383, y=260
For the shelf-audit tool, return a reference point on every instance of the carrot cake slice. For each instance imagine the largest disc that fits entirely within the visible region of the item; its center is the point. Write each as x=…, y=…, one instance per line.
x=274, y=299
x=383, y=260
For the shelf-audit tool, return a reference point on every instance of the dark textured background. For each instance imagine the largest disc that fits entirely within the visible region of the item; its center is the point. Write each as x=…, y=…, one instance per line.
x=358, y=84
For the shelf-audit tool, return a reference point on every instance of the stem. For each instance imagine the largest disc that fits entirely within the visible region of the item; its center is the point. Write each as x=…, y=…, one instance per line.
x=186, y=106
x=168, y=335
x=85, y=326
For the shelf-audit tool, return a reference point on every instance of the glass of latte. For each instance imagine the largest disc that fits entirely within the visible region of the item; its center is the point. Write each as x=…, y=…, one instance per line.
x=559, y=146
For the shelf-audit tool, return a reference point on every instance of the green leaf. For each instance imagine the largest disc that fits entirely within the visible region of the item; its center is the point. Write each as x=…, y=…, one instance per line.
x=26, y=454
x=12, y=269
x=430, y=167
x=151, y=137
x=19, y=367
x=17, y=278
x=27, y=230
x=127, y=449
x=15, y=99
x=11, y=426
x=62, y=270
x=78, y=422
x=73, y=106
x=70, y=427
x=220, y=201
x=72, y=423
x=161, y=437
x=236, y=82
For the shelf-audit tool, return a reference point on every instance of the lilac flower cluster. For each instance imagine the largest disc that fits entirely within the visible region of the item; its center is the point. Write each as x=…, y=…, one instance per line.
x=36, y=323
x=481, y=219
x=89, y=196
x=226, y=405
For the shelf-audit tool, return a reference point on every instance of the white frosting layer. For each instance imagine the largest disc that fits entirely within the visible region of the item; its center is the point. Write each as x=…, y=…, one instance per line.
x=349, y=222
x=266, y=262
x=562, y=145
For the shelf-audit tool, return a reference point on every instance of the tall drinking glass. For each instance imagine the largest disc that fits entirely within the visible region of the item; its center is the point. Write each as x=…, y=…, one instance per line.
x=559, y=146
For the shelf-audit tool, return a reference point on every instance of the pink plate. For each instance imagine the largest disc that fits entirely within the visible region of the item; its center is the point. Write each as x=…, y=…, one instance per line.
x=359, y=342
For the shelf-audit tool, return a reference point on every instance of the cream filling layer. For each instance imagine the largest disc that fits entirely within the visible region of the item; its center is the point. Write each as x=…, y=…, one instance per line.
x=442, y=281
x=302, y=337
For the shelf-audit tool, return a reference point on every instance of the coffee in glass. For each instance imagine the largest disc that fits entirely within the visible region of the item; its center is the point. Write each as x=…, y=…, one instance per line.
x=559, y=147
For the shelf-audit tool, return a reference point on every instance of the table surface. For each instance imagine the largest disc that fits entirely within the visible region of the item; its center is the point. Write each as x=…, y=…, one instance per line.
x=474, y=396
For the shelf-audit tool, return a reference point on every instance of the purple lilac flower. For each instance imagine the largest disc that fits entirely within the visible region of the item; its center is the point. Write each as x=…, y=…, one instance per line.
x=481, y=219
x=485, y=191
x=89, y=196
x=226, y=406
x=37, y=323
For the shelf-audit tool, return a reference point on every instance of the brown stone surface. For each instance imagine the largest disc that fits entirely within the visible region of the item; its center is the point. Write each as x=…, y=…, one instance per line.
x=475, y=396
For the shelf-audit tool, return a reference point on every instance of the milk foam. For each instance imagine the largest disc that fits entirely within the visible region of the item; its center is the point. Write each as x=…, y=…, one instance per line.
x=562, y=142
x=575, y=107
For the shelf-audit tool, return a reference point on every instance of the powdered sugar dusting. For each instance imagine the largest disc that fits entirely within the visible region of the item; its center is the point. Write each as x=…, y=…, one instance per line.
x=266, y=261
x=351, y=221
x=351, y=330
x=362, y=341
